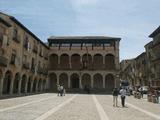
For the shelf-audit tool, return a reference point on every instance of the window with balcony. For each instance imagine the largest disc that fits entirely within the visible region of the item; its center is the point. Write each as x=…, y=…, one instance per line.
x=33, y=65
x=15, y=36
x=13, y=57
x=26, y=43
x=35, y=47
x=26, y=64
x=41, y=52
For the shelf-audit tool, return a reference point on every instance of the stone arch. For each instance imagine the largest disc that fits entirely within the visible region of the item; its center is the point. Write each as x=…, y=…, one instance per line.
x=109, y=81
x=75, y=61
x=98, y=81
x=86, y=80
x=63, y=80
x=29, y=84
x=44, y=85
x=64, y=61
x=7, y=82
x=52, y=82
x=53, y=60
x=110, y=62
x=23, y=83
x=87, y=61
x=74, y=80
x=34, y=85
x=98, y=61
x=40, y=85
x=16, y=82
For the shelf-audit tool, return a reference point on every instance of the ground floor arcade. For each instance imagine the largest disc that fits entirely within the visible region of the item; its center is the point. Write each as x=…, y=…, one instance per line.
x=81, y=79
x=18, y=83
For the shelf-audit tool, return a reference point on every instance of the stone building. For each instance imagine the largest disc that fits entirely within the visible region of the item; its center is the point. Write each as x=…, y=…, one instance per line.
x=153, y=57
x=135, y=70
x=79, y=61
x=23, y=58
x=141, y=70
x=124, y=68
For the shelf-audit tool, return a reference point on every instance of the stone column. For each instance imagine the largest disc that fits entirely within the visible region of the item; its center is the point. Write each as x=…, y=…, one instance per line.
x=58, y=61
x=69, y=81
x=26, y=86
x=103, y=60
x=31, y=89
x=37, y=82
x=19, y=86
x=104, y=81
x=92, y=81
x=11, y=86
x=70, y=65
x=80, y=82
x=42, y=86
x=58, y=79
x=1, y=85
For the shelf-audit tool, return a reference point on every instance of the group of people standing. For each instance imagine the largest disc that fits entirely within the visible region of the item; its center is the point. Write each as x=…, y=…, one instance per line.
x=122, y=93
x=61, y=90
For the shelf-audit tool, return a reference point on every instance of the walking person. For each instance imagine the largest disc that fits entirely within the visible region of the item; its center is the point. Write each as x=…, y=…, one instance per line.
x=61, y=90
x=123, y=96
x=115, y=97
x=58, y=89
x=141, y=91
x=64, y=91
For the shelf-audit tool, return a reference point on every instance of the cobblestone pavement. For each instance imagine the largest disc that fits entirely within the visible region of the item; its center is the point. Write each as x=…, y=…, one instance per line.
x=76, y=107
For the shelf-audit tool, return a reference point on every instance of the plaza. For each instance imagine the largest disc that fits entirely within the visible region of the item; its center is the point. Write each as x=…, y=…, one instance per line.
x=49, y=106
x=68, y=60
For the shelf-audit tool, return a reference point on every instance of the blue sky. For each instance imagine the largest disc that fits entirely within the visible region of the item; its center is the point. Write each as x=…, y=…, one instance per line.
x=131, y=20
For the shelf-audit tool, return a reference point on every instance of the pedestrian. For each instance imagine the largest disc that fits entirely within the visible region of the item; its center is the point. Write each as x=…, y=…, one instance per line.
x=58, y=89
x=64, y=91
x=141, y=91
x=61, y=90
x=115, y=97
x=123, y=96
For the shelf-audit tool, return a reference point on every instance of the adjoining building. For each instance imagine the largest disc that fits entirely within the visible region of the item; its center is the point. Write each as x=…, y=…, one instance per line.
x=23, y=58
x=80, y=61
x=144, y=70
x=153, y=57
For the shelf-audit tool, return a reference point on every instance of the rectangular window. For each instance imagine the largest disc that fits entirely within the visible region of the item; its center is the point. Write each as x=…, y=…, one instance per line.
x=24, y=58
x=15, y=33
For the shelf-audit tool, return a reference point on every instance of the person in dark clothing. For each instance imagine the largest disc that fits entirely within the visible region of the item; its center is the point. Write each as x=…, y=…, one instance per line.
x=115, y=97
x=123, y=96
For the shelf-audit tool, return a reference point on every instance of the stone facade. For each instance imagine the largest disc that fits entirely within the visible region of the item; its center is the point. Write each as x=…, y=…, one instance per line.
x=153, y=57
x=145, y=69
x=77, y=62
x=23, y=59
x=135, y=70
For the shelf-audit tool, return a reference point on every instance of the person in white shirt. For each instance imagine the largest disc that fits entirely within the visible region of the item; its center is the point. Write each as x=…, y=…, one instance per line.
x=61, y=90
x=123, y=96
